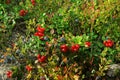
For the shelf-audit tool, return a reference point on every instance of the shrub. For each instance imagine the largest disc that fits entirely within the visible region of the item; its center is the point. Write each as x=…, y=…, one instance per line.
x=67, y=39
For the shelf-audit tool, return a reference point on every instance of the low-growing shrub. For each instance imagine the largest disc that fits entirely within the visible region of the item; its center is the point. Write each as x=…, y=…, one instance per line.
x=60, y=40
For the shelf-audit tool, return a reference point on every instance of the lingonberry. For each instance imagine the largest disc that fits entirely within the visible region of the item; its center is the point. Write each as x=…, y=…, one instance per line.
x=87, y=44
x=64, y=48
x=28, y=68
x=42, y=59
x=9, y=74
x=39, y=34
x=33, y=2
x=38, y=56
x=40, y=29
x=108, y=43
x=23, y=12
x=75, y=48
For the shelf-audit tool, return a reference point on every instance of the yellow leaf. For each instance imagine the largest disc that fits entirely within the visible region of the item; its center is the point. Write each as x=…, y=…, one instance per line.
x=65, y=60
x=21, y=3
x=8, y=49
x=76, y=77
x=1, y=60
x=29, y=76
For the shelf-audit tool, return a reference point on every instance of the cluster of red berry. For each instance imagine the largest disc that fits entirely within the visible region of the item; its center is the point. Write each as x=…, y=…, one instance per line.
x=28, y=68
x=33, y=2
x=64, y=48
x=108, y=43
x=40, y=32
x=87, y=44
x=41, y=58
x=9, y=74
x=74, y=48
x=23, y=12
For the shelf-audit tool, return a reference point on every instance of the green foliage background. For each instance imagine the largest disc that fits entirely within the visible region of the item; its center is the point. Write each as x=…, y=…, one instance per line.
x=77, y=20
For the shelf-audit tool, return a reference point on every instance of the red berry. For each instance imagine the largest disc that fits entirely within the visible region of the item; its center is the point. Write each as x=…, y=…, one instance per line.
x=75, y=48
x=40, y=29
x=42, y=59
x=33, y=3
x=9, y=74
x=39, y=34
x=38, y=56
x=28, y=68
x=23, y=12
x=47, y=43
x=87, y=44
x=64, y=48
x=108, y=43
